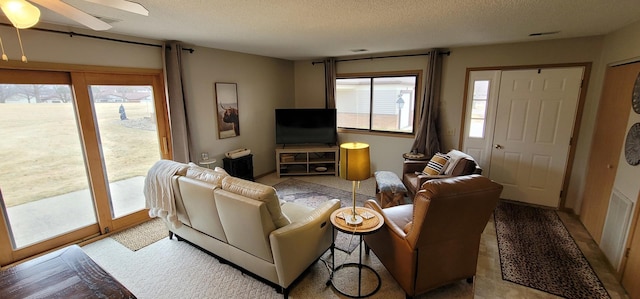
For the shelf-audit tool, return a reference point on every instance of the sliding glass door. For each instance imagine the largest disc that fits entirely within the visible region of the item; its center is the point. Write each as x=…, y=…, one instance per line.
x=43, y=176
x=129, y=142
x=75, y=149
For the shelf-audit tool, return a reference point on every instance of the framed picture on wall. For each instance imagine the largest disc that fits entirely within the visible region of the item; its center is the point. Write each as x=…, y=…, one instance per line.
x=227, y=108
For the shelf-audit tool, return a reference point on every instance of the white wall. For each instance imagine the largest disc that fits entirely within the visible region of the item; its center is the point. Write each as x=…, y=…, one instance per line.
x=61, y=48
x=263, y=84
x=387, y=151
x=267, y=83
x=586, y=49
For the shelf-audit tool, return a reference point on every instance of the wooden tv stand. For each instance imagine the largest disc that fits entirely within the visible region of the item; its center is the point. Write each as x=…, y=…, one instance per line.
x=305, y=160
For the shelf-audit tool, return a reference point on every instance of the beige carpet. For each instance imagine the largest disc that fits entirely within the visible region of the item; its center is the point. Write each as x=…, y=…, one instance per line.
x=142, y=235
x=172, y=269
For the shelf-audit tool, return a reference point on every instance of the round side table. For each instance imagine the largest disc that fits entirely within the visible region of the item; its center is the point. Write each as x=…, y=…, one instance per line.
x=207, y=163
x=415, y=157
x=372, y=222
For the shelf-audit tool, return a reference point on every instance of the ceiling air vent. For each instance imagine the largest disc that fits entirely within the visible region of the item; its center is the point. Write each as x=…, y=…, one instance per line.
x=544, y=33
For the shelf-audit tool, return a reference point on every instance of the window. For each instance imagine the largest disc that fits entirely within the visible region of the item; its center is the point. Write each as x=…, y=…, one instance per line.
x=383, y=103
x=479, y=108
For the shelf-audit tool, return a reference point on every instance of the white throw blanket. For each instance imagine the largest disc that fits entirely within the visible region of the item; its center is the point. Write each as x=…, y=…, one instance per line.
x=158, y=190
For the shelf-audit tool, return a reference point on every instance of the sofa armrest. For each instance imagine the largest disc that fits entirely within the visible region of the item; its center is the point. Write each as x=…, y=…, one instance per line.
x=372, y=204
x=426, y=178
x=410, y=166
x=297, y=245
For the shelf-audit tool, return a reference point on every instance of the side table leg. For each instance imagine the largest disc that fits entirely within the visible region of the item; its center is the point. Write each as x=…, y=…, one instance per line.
x=360, y=269
x=333, y=256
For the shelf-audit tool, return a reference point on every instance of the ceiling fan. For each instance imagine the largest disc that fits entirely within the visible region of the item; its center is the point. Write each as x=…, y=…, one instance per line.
x=77, y=15
x=86, y=19
x=23, y=14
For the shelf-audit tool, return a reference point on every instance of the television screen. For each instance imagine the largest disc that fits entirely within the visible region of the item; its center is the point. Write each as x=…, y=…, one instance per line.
x=306, y=126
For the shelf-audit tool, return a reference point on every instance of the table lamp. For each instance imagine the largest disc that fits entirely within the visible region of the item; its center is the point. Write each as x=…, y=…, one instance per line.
x=354, y=166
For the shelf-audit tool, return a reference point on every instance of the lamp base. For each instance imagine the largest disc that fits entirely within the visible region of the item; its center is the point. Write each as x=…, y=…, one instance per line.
x=353, y=220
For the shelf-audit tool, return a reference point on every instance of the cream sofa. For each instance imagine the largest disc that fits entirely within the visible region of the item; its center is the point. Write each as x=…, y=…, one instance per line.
x=244, y=223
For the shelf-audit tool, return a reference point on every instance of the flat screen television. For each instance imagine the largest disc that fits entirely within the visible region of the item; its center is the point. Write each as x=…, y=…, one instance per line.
x=306, y=126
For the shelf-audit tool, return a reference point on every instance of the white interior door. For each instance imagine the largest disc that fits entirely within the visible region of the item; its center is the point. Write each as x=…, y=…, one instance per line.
x=534, y=123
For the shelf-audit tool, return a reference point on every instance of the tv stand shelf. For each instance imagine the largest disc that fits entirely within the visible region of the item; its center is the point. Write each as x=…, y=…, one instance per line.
x=307, y=160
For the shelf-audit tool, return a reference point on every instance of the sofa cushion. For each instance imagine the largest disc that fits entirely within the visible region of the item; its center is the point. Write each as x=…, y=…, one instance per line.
x=260, y=192
x=206, y=175
x=437, y=164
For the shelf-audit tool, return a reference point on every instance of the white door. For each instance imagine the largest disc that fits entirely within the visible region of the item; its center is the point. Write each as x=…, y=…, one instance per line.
x=531, y=141
x=482, y=100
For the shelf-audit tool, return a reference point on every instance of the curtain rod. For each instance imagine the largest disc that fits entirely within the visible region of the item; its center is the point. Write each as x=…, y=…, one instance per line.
x=71, y=34
x=448, y=53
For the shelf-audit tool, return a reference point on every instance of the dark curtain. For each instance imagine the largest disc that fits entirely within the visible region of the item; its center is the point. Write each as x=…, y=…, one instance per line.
x=177, y=102
x=427, y=141
x=330, y=82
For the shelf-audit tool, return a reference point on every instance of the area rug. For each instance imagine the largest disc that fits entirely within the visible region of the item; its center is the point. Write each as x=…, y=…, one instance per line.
x=312, y=195
x=537, y=251
x=142, y=235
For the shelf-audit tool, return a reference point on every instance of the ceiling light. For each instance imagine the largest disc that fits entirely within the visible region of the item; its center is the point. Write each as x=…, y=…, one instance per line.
x=21, y=13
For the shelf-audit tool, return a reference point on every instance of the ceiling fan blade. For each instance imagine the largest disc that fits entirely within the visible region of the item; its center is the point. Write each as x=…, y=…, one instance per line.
x=73, y=14
x=125, y=5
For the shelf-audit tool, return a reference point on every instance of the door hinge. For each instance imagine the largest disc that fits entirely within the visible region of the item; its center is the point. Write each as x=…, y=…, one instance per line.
x=626, y=252
x=561, y=193
x=107, y=230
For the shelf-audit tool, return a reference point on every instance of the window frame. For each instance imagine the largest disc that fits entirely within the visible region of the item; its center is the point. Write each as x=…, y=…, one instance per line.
x=374, y=75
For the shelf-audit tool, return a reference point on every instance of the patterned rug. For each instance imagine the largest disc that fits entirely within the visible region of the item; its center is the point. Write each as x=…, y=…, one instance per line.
x=312, y=195
x=537, y=251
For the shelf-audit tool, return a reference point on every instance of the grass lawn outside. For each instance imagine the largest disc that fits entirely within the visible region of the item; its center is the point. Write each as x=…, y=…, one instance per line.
x=41, y=153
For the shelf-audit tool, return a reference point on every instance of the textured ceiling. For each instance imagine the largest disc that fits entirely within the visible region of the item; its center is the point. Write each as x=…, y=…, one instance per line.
x=306, y=29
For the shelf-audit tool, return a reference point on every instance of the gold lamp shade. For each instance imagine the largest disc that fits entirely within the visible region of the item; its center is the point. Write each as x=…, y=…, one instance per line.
x=354, y=166
x=354, y=161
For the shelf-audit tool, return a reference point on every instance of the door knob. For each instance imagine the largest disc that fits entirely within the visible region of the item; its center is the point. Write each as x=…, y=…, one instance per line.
x=498, y=146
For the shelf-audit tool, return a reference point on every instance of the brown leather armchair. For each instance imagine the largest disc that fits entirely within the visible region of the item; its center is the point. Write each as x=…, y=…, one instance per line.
x=435, y=241
x=413, y=178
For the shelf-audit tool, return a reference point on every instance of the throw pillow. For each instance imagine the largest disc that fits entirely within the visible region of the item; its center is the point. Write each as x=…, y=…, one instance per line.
x=437, y=164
